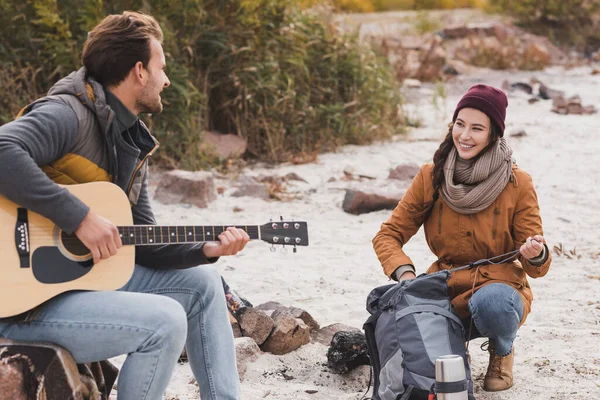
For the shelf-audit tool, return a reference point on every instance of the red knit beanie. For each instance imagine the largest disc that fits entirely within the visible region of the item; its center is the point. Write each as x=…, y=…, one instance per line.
x=487, y=99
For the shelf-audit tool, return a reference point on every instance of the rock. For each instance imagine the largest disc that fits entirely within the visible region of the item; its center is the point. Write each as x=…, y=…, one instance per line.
x=197, y=188
x=325, y=334
x=559, y=102
x=449, y=69
x=404, y=172
x=224, y=145
x=246, y=352
x=12, y=380
x=571, y=106
x=547, y=93
x=348, y=350
x=412, y=83
x=256, y=324
x=589, y=110
x=537, y=54
x=560, y=110
x=575, y=109
x=574, y=100
x=289, y=334
x=296, y=312
x=292, y=176
x=235, y=326
x=359, y=202
x=522, y=86
x=432, y=61
x=38, y=370
x=517, y=133
x=247, y=186
x=481, y=29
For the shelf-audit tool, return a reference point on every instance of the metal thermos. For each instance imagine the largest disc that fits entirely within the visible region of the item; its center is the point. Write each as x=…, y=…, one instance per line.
x=451, y=369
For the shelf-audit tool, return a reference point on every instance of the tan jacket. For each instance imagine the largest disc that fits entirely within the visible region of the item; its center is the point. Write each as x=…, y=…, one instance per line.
x=457, y=239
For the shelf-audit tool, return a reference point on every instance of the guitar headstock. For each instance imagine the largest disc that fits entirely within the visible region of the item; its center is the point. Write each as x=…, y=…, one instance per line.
x=287, y=233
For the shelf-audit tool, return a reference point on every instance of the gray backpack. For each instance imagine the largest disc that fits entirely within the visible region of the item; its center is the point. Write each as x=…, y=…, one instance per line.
x=412, y=323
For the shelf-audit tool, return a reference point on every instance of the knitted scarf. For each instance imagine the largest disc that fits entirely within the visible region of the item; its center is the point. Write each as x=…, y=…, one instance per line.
x=471, y=186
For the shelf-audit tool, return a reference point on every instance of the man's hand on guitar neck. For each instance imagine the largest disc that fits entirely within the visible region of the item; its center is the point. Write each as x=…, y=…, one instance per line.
x=232, y=241
x=100, y=236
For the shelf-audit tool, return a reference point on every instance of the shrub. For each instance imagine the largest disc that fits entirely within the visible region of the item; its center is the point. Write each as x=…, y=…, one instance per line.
x=566, y=22
x=285, y=79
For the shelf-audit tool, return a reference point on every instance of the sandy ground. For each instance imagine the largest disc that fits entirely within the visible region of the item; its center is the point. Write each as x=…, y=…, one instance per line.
x=557, y=350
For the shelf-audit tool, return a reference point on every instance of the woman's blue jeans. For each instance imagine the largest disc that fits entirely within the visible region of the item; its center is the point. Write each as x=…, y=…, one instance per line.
x=150, y=319
x=496, y=310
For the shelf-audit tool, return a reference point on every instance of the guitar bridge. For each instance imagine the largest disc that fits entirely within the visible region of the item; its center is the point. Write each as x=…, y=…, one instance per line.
x=22, y=237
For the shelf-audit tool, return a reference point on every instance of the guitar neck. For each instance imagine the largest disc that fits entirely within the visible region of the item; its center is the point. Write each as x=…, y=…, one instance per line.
x=140, y=235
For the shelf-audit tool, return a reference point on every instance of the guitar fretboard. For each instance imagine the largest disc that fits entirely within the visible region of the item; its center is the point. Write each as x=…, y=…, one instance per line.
x=155, y=234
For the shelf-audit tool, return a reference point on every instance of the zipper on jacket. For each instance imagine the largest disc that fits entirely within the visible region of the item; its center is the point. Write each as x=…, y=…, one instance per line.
x=440, y=218
x=136, y=170
x=494, y=229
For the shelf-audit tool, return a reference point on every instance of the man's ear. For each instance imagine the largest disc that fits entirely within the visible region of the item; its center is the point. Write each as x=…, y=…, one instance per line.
x=140, y=72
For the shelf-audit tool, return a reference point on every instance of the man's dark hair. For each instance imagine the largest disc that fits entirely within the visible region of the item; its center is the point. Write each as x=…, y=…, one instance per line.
x=117, y=43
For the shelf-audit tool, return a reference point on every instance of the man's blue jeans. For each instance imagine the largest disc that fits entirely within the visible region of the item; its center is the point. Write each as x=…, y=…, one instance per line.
x=496, y=310
x=149, y=319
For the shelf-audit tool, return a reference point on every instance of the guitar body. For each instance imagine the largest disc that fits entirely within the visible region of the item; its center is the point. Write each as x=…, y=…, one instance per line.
x=58, y=262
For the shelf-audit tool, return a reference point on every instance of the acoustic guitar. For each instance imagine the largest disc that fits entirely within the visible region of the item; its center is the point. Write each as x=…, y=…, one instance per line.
x=40, y=261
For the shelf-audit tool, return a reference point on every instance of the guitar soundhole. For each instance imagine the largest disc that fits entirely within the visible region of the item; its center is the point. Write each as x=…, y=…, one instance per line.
x=73, y=245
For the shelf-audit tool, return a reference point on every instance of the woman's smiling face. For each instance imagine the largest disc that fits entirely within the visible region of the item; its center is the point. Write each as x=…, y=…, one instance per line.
x=471, y=132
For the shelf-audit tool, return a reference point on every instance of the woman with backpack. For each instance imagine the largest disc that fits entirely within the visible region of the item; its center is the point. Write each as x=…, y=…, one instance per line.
x=475, y=203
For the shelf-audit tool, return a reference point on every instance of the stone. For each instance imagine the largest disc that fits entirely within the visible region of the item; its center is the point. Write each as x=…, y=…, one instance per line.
x=325, y=334
x=412, y=83
x=517, y=133
x=256, y=324
x=235, y=326
x=548, y=93
x=575, y=109
x=32, y=370
x=246, y=352
x=177, y=186
x=537, y=54
x=404, y=172
x=12, y=380
x=296, y=312
x=292, y=176
x=358, y=202
x=348, y=350
x=574, y=100
x=248, y=186
x=589, y=109
x=289, y=334
x=559, y=102
x=224, y=145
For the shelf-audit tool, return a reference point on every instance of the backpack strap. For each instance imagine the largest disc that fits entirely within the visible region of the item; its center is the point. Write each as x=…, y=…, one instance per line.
x=369, y=328
x=427, y=308
x=407, y=393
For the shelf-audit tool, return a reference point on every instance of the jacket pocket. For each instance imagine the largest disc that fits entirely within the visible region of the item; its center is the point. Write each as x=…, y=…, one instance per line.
x=503, y=273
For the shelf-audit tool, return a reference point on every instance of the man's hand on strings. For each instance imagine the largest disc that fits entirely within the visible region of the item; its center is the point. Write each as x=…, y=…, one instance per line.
x=100, y=236
x=533, y=247
x=231, y=242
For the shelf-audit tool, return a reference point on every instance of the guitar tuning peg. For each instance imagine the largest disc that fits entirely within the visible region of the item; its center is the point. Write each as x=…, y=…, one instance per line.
x=281, y=217
x=295, y=249
x=272, y=248
x=284, y=249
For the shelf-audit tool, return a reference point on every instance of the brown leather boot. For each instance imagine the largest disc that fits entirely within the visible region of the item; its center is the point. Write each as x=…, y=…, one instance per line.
x=499, y=374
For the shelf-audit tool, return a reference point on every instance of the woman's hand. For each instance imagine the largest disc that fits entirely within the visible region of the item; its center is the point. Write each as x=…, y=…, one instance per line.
x=533, y=247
